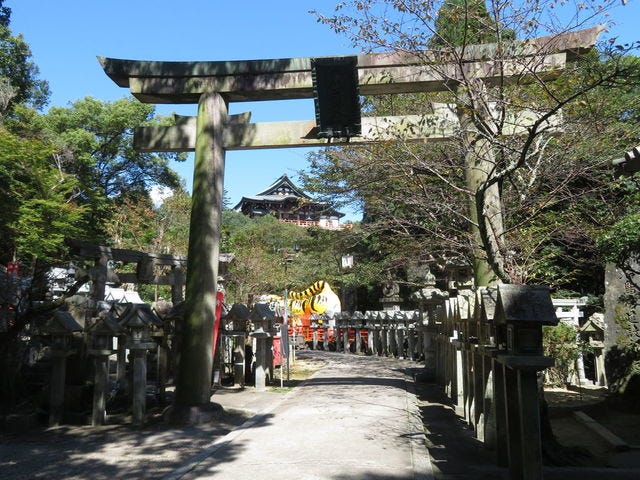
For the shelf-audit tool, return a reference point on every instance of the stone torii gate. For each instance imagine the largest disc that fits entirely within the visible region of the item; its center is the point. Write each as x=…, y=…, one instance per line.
x=212, y=85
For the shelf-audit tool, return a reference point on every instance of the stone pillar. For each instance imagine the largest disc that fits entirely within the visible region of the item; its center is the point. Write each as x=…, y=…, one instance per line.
x=345, y=345
x=514, y=436
x=314, y=343
x=458, y=389
x=400, y=342
x=177, y=287
x=601, y=379
x=261, y=367
x=100, y=277
x=502, y=433
x=193, y=387
x=469, y=391
x=384, y=336
x=102, y=348
x=529, y=419
x=375, y=340
x=100, y=378
x=139, y=394
x=411, y=344
x=358, y=341
x=163, y=367
x=325, y=339
x=489, y=409
x=478, y=394
x=370, y=346
x=58, y=380
x=121, y=366
x=239, y=361
x=429, y=352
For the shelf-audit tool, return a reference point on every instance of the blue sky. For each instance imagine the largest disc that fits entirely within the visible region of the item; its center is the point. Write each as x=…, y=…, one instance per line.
x=66, y=36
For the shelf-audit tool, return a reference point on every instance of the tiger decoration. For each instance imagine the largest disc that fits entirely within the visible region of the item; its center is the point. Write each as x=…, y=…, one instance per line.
x=318, y=299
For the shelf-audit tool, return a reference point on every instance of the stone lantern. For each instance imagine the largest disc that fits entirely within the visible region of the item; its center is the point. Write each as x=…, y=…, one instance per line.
x=593, y=333
x=373, y=333
x=520, y=313
x=137, y=321
x=431, y=301
x=238, y=316
x=400, y=324
x=357, y=320
x=262, y=317
x=102, y=332
x=60, y=327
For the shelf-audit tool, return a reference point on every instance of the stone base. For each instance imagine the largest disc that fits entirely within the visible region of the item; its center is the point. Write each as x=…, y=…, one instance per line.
x=192, y=415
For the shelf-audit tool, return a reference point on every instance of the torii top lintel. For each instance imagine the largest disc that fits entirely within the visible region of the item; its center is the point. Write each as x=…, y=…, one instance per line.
x=378, y=73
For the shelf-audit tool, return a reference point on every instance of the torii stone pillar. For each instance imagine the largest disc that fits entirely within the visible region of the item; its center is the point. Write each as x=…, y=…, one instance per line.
x=194, y=379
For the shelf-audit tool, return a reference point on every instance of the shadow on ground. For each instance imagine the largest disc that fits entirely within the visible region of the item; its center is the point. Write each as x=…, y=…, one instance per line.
x=108, y=452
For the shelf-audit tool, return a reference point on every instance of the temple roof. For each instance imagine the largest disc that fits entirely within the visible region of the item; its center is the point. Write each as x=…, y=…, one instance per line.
x=282, y=191
x=283, y=186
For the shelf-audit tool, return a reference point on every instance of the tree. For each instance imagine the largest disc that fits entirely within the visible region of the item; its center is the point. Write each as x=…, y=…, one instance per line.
x=172, y=224
x=466, y=22
x=96, y=139
x=39, y=207
x=497, y=166
x=19, y=82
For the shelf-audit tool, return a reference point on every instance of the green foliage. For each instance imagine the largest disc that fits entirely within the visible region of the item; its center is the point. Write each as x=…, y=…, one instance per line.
x=19, y=82
x=172, y=224
x=466, y=22
x=97, y=138
x=39, y=209
x=622, y=240
x=271, y=256
x=560, y=343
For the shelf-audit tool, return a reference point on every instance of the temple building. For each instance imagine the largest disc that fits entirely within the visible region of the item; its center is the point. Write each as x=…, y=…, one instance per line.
x=289, y=204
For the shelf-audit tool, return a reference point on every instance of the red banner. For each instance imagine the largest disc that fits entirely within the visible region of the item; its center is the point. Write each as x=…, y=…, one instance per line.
x=216, y=320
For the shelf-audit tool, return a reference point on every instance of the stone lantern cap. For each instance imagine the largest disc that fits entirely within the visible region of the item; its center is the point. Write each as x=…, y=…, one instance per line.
x=118, y=310
x=102, y=331
x=524, y=303
x=261, y=316
x=238, y=311
x=261, y=312
x=238, y=314
x=61, y=323
x=105, y=326
x=138, y=315
x=593, y=329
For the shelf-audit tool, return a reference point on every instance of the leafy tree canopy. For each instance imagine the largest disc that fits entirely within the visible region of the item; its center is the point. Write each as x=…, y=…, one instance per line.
x=97, y=140
x=19, y=82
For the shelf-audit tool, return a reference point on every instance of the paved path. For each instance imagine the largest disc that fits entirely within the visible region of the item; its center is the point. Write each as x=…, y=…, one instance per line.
x=356, y=418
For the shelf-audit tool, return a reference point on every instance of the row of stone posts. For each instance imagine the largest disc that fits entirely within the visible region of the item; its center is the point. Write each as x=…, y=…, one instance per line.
x=488, y=352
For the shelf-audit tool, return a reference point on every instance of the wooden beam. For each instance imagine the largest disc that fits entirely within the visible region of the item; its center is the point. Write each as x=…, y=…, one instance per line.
x=440, y=125
x=372, y=81
x=378, y=73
